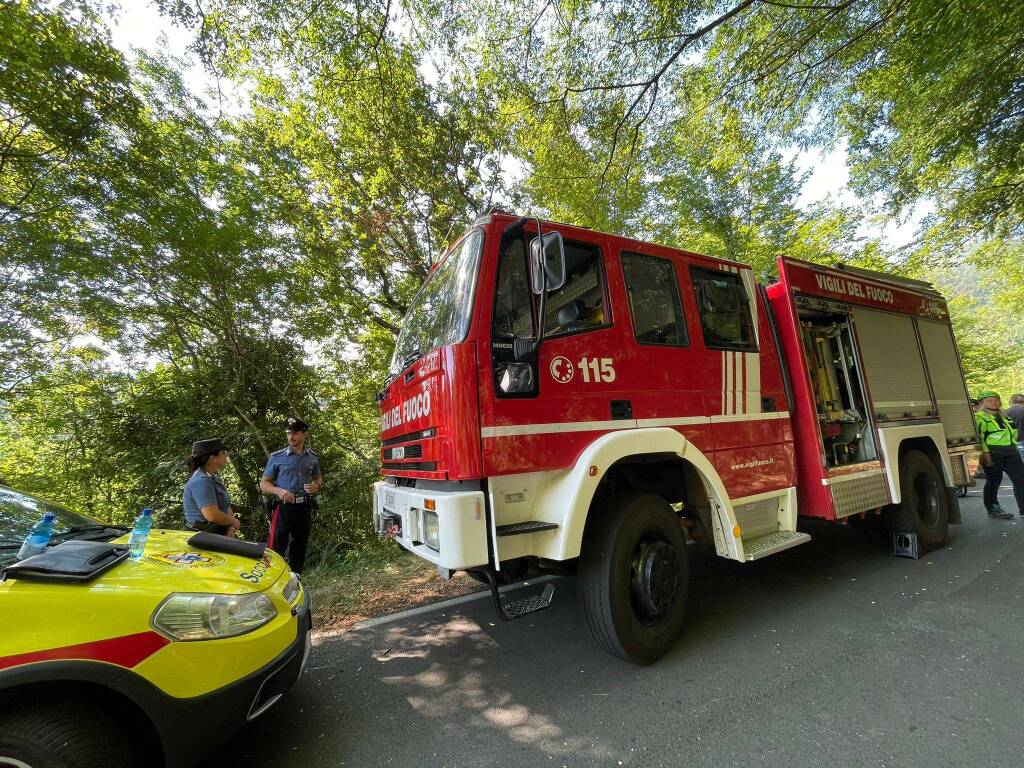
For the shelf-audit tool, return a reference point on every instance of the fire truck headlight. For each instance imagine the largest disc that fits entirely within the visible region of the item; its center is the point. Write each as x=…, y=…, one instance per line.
x=518, y=377
x=431, y=531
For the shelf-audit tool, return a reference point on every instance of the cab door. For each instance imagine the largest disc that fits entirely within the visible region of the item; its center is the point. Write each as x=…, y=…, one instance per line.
x=660, y=367
x=742, y=381
x=540, y=415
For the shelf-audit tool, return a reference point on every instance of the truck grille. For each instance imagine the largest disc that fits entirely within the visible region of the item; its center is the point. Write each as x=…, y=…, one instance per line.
x=425, y=466
x=411, y=452
x=407, y=438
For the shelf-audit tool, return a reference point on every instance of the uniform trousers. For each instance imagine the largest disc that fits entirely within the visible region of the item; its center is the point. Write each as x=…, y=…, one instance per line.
x=289, y=532
x=1004, y=460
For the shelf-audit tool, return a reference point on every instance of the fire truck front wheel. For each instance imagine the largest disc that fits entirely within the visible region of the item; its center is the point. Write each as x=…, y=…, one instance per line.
x=923, y=510
x=634, y=575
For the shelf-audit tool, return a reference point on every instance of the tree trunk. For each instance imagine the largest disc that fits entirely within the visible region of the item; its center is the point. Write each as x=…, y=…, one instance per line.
x=251, y=512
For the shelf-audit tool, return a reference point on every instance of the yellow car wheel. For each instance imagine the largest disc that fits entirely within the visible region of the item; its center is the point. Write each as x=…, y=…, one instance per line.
x=63, y=733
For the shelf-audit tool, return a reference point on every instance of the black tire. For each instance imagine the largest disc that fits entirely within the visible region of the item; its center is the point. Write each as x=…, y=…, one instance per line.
x=634, y=576
x=65, y=734
x=924, y=509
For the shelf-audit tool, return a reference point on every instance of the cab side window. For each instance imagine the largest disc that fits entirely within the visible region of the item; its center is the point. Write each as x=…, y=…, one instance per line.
x=654, y=300
x=513, y=311
x=724, y=309
x=579, y=305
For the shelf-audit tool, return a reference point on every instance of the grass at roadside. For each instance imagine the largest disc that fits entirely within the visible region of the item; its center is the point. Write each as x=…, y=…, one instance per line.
x=373, y=581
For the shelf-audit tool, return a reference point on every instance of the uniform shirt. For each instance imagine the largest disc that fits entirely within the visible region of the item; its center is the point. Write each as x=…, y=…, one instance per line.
x=289, y=470
x=997, y=432
x=202, y=490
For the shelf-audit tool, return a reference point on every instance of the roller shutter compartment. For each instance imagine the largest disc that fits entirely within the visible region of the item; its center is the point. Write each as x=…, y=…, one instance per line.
x=892, y=364
x=947, y=381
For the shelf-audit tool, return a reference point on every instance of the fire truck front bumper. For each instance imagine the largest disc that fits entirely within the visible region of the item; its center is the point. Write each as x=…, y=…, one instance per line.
x=446, y=528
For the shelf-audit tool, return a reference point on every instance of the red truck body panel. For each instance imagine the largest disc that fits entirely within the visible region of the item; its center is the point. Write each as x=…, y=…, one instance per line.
x=430, y=412
x=713, y=398
x=446, y=413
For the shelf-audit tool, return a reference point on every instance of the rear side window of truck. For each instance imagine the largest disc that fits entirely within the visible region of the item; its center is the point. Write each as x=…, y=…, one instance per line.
x=724, y=309
x=654, y=301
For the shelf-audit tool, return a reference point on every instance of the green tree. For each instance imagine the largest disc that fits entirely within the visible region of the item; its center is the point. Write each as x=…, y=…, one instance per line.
x=63, y=91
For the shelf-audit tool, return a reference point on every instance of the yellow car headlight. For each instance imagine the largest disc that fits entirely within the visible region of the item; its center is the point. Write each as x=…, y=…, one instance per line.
x=199, y=616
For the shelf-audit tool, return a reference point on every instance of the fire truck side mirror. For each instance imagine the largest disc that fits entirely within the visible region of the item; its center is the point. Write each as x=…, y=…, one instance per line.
x=547, y=263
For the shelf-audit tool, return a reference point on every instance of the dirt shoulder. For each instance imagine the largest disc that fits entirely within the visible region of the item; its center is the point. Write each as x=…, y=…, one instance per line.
x=371, y=583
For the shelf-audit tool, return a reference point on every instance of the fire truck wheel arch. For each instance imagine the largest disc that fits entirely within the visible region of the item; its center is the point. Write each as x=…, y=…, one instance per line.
x=574, y=490
x=930, y=438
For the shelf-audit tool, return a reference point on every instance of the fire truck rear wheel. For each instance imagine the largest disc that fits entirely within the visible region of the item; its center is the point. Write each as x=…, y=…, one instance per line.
x=924, y=509
x=634, y=576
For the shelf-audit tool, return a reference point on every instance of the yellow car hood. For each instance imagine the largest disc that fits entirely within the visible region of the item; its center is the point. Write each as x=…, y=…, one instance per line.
x=169, y=564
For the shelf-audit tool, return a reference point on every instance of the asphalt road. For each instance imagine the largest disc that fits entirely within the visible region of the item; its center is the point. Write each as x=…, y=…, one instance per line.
x=835, y=653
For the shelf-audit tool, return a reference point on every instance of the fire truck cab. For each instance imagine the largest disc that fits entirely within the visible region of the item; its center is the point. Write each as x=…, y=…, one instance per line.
x=565, y=399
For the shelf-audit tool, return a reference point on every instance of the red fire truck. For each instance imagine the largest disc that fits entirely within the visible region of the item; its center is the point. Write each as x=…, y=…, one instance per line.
x=562, y=399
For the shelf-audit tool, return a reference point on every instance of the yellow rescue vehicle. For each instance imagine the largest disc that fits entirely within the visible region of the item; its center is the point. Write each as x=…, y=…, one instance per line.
x=146, y=662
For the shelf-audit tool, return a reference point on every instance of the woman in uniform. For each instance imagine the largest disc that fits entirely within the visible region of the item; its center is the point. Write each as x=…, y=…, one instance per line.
x=205, y=499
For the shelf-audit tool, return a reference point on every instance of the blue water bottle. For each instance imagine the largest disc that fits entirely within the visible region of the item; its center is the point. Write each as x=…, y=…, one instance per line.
x=140, y=532
x=38, y=537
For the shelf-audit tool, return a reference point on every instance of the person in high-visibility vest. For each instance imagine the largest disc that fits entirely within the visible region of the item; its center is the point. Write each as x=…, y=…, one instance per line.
x=999, y=454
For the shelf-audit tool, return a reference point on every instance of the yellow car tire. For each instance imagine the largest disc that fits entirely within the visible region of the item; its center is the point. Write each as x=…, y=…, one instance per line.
x=64, y=734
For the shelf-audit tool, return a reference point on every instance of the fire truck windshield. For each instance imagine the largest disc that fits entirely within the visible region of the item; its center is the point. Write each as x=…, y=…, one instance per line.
x=440, y=312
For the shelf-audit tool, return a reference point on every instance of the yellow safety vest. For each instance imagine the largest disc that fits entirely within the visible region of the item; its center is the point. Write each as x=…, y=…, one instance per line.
x=993, y=435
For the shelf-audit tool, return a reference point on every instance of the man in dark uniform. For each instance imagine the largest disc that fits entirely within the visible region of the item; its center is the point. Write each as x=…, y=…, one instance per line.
x=293, y=476
x=1016, y=415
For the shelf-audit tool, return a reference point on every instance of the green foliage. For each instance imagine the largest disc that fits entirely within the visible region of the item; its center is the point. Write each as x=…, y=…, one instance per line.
x=63, y=91
x=985, y=293
x=927, y=93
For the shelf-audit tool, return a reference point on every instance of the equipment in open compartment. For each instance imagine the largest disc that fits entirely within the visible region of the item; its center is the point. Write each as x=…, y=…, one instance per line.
x=836, y=382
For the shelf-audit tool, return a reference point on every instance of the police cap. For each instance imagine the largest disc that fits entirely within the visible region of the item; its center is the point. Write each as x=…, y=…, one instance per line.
x=987, y=393
x=204, y=447
x=292, y=424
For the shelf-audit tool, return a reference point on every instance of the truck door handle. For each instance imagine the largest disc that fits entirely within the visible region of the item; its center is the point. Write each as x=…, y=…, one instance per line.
x=622, y=409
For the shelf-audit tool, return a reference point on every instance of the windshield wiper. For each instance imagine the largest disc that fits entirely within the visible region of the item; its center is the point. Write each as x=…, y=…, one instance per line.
x=409, y=359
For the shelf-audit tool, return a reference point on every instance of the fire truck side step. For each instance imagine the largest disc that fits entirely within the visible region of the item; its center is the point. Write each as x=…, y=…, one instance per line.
x=771, y=543
x=529, y=526
x=517, y=608
x=532, y=604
